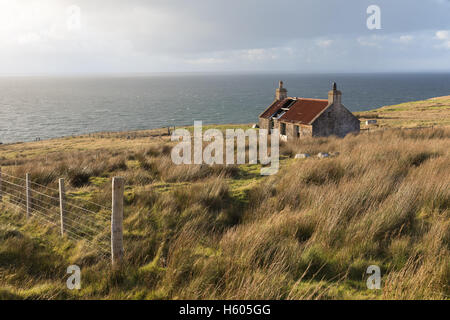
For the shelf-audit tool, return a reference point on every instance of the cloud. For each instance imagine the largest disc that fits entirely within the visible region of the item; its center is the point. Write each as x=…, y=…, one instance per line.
x=444, y=36
x=206, y=61
x=371, y=41
x=405, y=39
x=324, y=43
x=179, y=35
x=28, y=38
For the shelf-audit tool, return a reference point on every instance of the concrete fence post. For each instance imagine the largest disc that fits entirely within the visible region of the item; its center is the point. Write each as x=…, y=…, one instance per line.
x=117, y=220
x=62, y=198
x=28, y=194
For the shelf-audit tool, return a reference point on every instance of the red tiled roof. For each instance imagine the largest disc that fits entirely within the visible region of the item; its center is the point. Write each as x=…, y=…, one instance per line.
x=303, y=110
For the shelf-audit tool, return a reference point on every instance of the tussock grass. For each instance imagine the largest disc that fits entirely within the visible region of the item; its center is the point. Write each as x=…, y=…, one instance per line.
x=195, y=232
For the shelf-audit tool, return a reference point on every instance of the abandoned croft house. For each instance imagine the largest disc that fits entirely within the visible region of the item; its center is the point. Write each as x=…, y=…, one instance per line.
x=300, y=117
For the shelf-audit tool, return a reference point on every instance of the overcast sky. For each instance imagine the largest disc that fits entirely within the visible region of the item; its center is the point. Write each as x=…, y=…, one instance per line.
x=113, y=36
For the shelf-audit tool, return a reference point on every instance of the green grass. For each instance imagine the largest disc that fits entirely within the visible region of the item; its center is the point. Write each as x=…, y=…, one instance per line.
x=226, y=232
x=426, y=113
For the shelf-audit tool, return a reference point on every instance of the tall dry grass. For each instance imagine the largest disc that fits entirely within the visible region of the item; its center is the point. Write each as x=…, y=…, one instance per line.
x=308, y=232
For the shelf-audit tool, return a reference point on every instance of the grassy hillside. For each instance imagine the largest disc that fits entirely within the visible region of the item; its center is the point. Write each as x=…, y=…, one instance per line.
x=426, y=113
x=202, y=232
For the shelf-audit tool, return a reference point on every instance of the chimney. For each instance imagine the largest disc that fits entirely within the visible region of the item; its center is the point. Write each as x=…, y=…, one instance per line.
x=281, y=93
x=334, y=96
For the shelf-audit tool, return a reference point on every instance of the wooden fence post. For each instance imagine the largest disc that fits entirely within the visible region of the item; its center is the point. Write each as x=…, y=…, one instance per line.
x=62, y=198
x=117, y=220
x=28, y=194
x=1, y=198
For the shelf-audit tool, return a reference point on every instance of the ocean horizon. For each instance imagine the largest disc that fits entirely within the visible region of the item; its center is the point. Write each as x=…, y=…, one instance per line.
x=46, y=107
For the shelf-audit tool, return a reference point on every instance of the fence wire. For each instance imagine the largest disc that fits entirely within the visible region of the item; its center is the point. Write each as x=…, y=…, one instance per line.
x=84, y=220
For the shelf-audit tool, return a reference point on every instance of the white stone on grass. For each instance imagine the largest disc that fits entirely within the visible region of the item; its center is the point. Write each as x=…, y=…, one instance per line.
x=323, y=155
x=302, y=156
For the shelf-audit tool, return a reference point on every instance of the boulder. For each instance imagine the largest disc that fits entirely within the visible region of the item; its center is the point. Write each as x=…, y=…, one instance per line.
x=302, y=156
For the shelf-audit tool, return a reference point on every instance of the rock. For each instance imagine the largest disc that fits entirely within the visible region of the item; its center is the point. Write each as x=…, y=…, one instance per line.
x=323, y=155
x=334, y=154
x=302, y=156
x=255, y=126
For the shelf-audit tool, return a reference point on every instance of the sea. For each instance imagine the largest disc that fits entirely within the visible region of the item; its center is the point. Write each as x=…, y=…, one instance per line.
x=43, y=107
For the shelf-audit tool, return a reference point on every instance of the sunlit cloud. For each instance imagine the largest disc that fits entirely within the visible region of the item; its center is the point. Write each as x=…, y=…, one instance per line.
x=444, y=36
x=154, y=36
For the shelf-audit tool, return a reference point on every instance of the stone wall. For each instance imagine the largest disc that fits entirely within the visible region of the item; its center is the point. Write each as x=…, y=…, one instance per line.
x=336, y=120
x=290, y=131
x=304, y=131
x=264, y=123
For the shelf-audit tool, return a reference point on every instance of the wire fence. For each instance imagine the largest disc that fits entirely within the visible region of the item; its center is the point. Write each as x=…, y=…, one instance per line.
x=78, y=219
